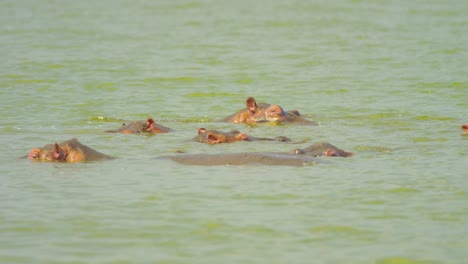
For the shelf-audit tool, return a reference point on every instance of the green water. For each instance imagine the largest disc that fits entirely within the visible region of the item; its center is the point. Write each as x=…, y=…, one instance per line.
x=385, y=79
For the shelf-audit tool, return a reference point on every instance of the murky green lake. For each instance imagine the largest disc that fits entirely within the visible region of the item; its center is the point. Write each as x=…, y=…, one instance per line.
x=385, y=79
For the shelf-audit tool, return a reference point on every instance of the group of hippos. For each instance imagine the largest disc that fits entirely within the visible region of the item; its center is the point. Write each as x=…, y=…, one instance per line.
x=73, y=151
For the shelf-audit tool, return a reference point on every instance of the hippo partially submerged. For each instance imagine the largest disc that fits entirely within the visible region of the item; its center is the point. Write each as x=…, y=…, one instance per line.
x=217, y=137
x=148, y=126
x=246, y=158
x=250, y=114
x=297, y=157
x=264, y=112
x=68, y=151
x=322, y=149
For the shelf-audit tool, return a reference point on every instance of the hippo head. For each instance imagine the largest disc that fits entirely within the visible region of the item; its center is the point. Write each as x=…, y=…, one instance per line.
x=322, y=149
x=217, y=137
x=48, y=153
x=275, y=113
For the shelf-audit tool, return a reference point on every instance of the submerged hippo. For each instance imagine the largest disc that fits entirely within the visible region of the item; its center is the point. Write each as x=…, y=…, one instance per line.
x=322, y=149
x=149, y=126
x=297, y=157
x=246, y=158
x=68, y=151
x=217, y=137
x=465, y=130
x=263, y=112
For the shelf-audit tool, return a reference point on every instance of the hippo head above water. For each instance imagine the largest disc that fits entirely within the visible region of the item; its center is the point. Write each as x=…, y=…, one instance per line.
x=274, y=113
x=149, y=126
x=264, y=112
x=322, y=149
x=67, y=151
x=217, y=137
x=250, y=114
x=51, y=152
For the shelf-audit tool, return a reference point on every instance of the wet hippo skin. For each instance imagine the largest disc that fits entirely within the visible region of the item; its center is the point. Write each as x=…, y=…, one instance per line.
x=280, y=159
x=249, y=114
x=217, y=137
x=264, y=112
x=148, y=126
x=296, y=157
x=68, y=151
x=322, y=149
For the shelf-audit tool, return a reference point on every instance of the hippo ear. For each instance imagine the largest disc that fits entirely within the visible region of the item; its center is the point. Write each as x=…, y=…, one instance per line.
x=251, y=104
x=212, y=139
x=57, y=153
x=201, y=130
x=150, y=124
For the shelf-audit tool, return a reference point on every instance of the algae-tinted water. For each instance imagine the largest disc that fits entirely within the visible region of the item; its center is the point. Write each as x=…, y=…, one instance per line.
x=386, y=80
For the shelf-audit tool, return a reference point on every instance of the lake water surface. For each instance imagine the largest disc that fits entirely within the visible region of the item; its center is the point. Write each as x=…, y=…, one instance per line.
x=385, y=79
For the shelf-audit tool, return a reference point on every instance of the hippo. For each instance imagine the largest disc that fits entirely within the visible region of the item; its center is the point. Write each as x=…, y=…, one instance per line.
x=296, y=157
x=70, y=151
x=216, y=137
x=464, y=128
x=264, y=158
x=249, y=114
x=136, y=127
x=264, y=112
x=275, y=113
x=322, y=149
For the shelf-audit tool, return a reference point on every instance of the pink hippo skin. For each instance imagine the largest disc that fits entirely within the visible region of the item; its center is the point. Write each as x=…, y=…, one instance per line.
x=464, y=128
x=68, y=151
x=149, y=126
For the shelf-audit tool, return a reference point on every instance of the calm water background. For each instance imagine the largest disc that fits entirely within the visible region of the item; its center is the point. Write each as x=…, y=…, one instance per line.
x=386, y=80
